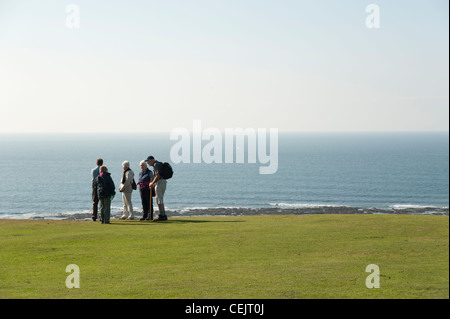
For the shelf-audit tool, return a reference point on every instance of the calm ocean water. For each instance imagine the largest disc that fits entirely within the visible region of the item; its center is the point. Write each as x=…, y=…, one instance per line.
x=49, y=175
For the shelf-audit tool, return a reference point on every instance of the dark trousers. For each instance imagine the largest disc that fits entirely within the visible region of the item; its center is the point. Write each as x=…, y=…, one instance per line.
x=145, y=198
x=95, y=208
x=94, y=203
x=105, y=210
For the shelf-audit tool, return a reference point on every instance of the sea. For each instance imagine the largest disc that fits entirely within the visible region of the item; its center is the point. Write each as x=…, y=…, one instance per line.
x=48, y=176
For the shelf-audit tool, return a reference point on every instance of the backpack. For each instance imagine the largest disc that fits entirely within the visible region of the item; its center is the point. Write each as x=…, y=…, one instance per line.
x=166, y=170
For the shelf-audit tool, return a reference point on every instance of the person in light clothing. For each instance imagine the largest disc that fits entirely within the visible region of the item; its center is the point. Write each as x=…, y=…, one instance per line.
x=126, y=189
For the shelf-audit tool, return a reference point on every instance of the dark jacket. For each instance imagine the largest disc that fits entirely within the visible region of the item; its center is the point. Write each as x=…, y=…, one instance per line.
x=104, y=185
x=145, y=178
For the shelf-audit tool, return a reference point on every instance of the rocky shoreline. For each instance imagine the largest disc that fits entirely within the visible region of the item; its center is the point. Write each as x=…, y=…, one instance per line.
x=277, y=211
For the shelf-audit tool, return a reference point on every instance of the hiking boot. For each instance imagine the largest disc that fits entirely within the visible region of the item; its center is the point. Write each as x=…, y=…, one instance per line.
x=160, y=218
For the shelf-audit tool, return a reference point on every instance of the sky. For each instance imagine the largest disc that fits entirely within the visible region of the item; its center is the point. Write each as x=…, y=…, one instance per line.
x=154, y=66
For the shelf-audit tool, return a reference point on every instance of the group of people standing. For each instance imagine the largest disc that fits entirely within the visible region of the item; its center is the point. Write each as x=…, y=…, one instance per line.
x=150, y=184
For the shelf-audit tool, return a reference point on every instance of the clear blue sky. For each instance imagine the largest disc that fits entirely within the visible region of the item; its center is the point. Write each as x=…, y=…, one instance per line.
x=292, y=65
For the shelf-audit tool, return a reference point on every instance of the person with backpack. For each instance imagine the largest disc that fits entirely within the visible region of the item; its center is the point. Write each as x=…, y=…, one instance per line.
x=104, y=186
x=162, y=172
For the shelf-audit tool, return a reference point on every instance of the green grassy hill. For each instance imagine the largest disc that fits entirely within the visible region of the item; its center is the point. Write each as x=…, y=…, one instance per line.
x=309, y=256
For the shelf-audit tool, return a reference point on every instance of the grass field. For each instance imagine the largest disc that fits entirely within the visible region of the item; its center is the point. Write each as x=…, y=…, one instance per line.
x=308, y=256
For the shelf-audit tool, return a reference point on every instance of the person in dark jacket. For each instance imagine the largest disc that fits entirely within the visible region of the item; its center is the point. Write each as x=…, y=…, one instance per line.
x=145, y=178
x=95, y=172
x=105, y=189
